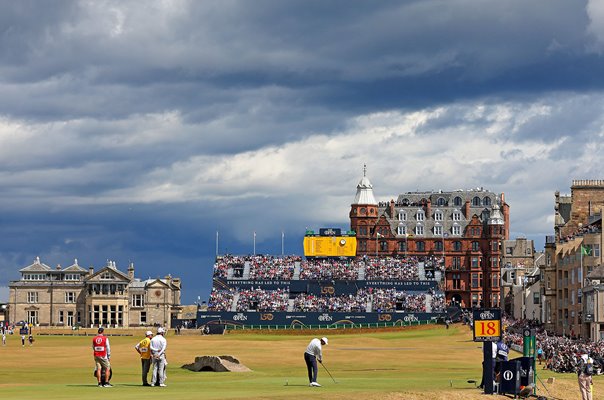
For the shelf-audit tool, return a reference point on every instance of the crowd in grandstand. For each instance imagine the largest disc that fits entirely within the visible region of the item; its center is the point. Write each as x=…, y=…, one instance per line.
x=221, y=299
x=262, y=300
x=271, y=267
x=305, y=302
x=283, y=267
x=328, y=269
x=392, y=268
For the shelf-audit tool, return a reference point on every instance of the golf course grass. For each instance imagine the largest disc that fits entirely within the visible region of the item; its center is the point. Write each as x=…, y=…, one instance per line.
x=407, y=363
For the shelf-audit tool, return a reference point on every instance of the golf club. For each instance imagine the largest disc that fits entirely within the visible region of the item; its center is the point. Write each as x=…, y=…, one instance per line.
x=334, y=381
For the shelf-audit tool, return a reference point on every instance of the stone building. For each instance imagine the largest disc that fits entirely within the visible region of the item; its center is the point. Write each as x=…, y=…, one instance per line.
x=75, y=296
x=571, y=255
x=518, y=275
x=464, y=229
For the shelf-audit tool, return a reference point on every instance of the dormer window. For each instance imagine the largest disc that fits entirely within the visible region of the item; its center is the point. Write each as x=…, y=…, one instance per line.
x=456, y=230
x=441, y=202
x=438, y=215
x=419, y=230
x=476, y=201
x=438, y=230
x=456, y=215
x=420, y=215
x=457, y=201
x=401, y=230
x=486, y=201
x=402, y=215
x=106, y=276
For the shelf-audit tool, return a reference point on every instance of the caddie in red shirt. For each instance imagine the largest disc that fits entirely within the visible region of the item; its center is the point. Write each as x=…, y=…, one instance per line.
x=102, y=354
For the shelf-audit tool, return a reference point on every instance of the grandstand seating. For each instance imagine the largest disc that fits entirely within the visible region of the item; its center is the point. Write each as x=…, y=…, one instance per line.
x=245, y=283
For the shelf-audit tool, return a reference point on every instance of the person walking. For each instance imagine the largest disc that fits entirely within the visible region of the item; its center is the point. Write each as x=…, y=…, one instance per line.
x=143, y=348
x=585, y=370
x=313, y=354
x=3, y=337
x=158, y=356
x=102, y=354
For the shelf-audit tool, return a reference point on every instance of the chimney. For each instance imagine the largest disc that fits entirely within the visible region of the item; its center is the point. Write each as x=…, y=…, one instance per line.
x=90, y=270
x=131, y=271
x=391, y=208
x=428, y=208
x=466, y=210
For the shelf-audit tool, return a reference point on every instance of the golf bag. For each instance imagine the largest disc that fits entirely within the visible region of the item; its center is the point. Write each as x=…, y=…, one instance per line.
x=103, y=375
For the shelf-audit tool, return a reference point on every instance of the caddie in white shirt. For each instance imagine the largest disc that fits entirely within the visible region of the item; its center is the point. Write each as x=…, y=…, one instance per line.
x=158, y=357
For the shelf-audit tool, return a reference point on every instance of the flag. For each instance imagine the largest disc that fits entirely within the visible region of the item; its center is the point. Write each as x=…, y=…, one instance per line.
x=585, y=250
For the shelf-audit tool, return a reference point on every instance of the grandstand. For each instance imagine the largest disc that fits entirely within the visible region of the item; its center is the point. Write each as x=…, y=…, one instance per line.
x=262, y=290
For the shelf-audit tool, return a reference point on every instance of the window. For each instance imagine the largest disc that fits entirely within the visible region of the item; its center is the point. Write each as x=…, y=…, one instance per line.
x=536, y=298
x=456, y=263
x=420, y=215
x=72, y=277
x=486, y=201
x=438, y=215
x=362, y=245
x=475, y=281
x=457, y=245
x=456, y=230
x=34, y=277
x=456, y=281
x=456, y=215
x=402, y=246
x=438, y=246
x=438, y=230
x=70, y=297
x=138, y=300
x=143, y=317
x=61, y=317
x=441, y=201
x=106, y=276
x=419, y=230
x=32, y=297
x=495, y=280
x=509, y=250
x=475, y=300
x=362, y=231
x=457, y=201
x=595, y=250
x=476, y=201
x=420, y=246
x=402, y=215
x=475, y=246
x=383, y=245
x=475, y=263
x=32, y=317
x=402, y=230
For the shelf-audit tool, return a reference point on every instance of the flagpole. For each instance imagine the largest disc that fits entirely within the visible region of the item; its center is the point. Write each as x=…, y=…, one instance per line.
x=282, y=243
x=254, y=242
x=216, y=243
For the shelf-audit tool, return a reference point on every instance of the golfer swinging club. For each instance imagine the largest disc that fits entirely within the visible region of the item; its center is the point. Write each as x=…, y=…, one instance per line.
x=311, y=355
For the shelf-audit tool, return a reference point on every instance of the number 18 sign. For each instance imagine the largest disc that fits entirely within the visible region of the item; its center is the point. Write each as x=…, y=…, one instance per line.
x=487, y=324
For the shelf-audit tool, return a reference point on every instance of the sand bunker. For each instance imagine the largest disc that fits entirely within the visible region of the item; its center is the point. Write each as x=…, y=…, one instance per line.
x=216, y=364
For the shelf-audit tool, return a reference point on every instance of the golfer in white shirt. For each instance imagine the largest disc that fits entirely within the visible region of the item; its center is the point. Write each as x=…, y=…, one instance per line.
x=313, y=354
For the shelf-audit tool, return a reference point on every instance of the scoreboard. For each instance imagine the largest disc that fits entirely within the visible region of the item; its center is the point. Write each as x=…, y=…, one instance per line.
x=330, y=242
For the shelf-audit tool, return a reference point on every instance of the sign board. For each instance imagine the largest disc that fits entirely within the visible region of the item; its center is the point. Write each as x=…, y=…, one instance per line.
x=487, y=324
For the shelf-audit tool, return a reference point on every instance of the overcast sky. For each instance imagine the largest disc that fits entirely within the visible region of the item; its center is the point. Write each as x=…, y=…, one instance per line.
x=134, y=131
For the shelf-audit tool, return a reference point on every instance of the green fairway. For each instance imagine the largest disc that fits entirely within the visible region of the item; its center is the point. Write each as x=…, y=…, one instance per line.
x=427, y=362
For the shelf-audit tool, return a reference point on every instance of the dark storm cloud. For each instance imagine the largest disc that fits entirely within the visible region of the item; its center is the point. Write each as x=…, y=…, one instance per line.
x=123, y=58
